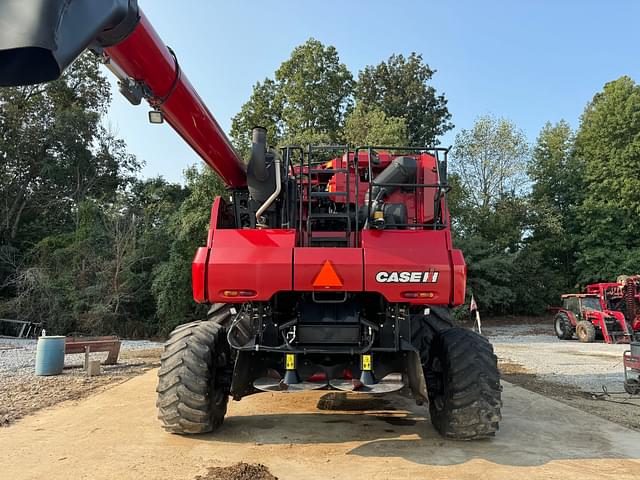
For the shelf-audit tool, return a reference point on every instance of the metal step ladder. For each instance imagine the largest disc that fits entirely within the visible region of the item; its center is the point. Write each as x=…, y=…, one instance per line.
x=342, y=236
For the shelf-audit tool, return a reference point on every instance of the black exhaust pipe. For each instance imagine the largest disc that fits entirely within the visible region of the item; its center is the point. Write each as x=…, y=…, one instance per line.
x=40, y=38
x=258, y=160
x=261, y=175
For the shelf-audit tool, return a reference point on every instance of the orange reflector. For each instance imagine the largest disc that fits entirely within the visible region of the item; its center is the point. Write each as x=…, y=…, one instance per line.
x=238, y=293
x=418, y=294
x=327, y=277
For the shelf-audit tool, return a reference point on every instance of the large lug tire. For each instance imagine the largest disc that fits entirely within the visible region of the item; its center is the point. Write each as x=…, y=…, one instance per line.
x=562, y=326
x=192, y=387
x=425, y=327
x=463, y=382
x=585, y=331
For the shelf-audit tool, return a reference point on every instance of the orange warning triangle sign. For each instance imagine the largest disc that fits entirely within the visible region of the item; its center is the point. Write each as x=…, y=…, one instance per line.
x=327, y=277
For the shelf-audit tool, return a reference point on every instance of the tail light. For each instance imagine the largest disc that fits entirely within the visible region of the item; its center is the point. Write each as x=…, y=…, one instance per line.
x=238, y=293
x=418, y=294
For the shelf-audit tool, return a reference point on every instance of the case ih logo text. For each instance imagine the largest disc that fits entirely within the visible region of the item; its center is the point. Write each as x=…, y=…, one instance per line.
x=407, y=277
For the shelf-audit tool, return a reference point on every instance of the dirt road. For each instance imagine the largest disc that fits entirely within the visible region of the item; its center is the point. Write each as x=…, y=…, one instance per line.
x=115, y=435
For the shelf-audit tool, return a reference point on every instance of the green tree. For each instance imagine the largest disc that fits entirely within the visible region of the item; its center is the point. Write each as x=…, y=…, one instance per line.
x=305, y=103
x=490, y=211
x=55, y=153
x=189, y=228
x=608, y=146
x=491, y=160
x=263, y=109
x=317, y=90
x=58, y=167
x=490, y=274
x=373, y=127
x=400, y=87
x=555, y=196
x=554, y=170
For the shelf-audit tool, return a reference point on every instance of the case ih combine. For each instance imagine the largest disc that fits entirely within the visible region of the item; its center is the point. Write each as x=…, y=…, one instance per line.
x=608, y=310
x=326, y=267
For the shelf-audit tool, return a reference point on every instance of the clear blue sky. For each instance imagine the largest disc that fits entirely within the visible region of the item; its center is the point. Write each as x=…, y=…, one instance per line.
x=530, y=61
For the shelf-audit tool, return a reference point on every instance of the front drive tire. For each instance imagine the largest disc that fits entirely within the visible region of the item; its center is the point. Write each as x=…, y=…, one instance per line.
x=192, y=394
x=585, y=331
x=562, y=326
x=463, y=382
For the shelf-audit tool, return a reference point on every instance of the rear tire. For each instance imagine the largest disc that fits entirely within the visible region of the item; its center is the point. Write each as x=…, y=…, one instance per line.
x=463, y=382
x=562, y=326
x=192, y=390
x=585, y=331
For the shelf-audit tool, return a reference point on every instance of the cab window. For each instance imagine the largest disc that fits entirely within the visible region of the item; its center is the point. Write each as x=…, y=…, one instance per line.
x=572, y=305
x=592, y=302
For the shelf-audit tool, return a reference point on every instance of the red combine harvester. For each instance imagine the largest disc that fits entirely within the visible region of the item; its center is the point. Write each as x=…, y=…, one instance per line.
x=327, y=267
x=609, y=310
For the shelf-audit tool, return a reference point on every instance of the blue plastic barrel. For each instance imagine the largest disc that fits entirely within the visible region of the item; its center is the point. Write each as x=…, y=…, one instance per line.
x=50, y=355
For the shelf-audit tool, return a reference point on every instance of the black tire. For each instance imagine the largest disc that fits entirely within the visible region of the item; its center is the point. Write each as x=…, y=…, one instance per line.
x=562, y=326
x=585, y=331
x=463, y=382
x=192, y=388
x=425, y=327
x=632, y=386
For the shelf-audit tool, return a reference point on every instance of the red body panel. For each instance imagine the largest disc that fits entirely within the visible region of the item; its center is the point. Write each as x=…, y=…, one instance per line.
x=411, y=251
x=249, y=260
x=601, y=288
x=459, y=277
x=198, y=274
x=143, y=56
x=347, y=263
x=267, y=262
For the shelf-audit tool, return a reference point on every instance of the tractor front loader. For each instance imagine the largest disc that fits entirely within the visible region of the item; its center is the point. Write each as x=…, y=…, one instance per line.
x=606, y=310
x=326, y=267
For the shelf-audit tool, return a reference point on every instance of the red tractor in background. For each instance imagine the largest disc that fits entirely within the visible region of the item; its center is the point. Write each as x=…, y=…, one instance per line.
x=327, y=267
x=608, y=310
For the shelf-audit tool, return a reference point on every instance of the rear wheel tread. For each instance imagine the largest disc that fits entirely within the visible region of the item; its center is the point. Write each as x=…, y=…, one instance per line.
x=189, y=398
x=467, y=404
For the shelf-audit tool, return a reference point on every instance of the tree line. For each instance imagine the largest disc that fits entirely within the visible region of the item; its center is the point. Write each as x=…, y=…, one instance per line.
x=89, y=247
x=535, y=221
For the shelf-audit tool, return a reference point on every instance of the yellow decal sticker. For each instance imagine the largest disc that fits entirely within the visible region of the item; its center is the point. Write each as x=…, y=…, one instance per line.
x=366, y=362
x=290, y=361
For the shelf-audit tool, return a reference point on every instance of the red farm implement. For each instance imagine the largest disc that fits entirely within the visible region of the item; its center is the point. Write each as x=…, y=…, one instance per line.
x=325, y=267
x=606, y=310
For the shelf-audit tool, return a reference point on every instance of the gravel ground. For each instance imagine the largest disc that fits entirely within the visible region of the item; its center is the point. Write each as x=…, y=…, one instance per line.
x=18, y=356
x=531, y=356
x=587, y=366
x=22, y=392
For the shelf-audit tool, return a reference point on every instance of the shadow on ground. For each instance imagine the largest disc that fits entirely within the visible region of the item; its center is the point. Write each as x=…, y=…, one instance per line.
x=535, y=430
